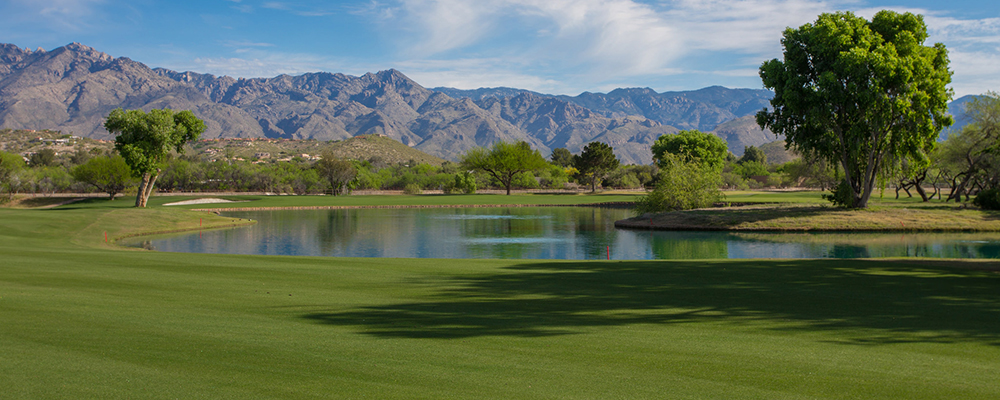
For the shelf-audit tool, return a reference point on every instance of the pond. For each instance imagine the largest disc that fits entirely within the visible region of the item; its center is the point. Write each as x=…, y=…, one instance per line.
x=570, y=233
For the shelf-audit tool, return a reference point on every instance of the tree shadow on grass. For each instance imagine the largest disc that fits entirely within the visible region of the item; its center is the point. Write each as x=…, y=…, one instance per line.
x=869, y=302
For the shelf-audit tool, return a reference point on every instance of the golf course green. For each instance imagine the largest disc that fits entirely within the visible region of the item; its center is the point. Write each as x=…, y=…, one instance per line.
x=83, y=318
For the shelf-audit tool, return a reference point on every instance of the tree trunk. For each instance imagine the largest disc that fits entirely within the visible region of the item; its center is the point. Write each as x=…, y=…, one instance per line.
x=149, y=188
x=142, y=189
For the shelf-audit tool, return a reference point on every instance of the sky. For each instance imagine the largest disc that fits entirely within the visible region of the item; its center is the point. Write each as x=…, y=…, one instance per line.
x=549, y=46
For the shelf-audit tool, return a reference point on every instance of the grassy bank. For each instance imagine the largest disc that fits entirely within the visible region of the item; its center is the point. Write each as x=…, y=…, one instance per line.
x=83, y=320
x=895, y=218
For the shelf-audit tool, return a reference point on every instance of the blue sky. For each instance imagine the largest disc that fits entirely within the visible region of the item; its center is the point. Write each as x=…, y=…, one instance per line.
x=551, y=46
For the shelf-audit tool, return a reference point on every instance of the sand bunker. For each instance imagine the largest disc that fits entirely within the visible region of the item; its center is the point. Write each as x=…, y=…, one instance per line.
x=199, y=201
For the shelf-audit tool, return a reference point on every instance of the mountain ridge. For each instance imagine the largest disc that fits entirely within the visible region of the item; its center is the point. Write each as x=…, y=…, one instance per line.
x=73, y=87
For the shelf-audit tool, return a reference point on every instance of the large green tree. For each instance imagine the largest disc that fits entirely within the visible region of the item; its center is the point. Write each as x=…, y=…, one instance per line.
x=110, y=175
x=504, y=160
x=145, y=140
x=595, y=162
x=856, y=91
x=561, y=157
x=691, y=146
x=336, y=171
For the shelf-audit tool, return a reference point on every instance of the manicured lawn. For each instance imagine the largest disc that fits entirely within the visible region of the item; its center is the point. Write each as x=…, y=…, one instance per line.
x=80, y=319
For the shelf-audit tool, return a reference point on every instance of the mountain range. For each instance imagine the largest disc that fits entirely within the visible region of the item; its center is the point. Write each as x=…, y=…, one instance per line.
x=73, y=88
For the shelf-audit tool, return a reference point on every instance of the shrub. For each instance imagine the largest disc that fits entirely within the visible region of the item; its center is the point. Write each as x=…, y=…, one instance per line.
x=465, y=182
x=682, y=186
x=412, y=188
x=988, y=199
x=841, y=195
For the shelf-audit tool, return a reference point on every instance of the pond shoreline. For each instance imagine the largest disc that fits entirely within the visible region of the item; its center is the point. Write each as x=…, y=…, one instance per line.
x=615, y=204
x=801, y=218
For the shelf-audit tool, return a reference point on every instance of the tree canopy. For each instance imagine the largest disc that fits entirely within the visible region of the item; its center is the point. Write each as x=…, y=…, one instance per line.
x=337, y=172
x=855, y=91
x=561, y=157
x=596, y=161
x=145, y=139
x=691, y=146
x=10, y=165
x=108, y=174
x=504, y=160
x=753, y=154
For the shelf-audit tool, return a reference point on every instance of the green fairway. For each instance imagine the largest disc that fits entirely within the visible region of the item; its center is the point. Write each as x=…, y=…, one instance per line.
x=82, y=319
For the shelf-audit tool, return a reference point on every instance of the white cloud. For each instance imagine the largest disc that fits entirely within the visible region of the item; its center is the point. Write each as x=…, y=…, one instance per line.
x=595, y=39
x=475, y=73
x=58, y=15
x=595, y=42
x=257, y=63
x=297, y=9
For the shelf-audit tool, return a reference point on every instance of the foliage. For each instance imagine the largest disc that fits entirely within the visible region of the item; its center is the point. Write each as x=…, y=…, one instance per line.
x=465, y=182
x=42, y=158
x=988, y=199
x=145, y=139
x=594, y=163
x=110, y=175
x=561, y=157
x=841, y=195
x=691, y=146
x=731, y=180
x=412, y=188
x=553, y=177
x=10, y=167
x=970, y=159
x=749, y=169
x=753, y=154
x=504, y=161
x=682, y=186
x=810, y=171
x=622, y=177
x=855, y=92
x=338, y=173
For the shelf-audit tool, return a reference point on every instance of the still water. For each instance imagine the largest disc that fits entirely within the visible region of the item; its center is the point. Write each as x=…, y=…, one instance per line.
x=571, y=233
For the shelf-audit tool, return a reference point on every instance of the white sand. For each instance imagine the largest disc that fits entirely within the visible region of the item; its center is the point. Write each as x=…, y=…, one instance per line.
x=199, y=201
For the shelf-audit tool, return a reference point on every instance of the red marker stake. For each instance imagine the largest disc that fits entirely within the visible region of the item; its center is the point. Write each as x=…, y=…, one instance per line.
x=199, y=221
x=609, y=253
x=105, y=236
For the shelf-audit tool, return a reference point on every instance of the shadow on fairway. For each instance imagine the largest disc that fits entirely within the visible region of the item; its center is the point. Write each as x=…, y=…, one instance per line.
x=866, y=302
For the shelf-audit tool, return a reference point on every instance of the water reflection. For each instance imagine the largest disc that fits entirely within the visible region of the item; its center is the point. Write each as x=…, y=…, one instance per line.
x=539, y=233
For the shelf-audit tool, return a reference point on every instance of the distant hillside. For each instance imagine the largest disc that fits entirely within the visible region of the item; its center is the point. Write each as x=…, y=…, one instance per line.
x=365, y=147
x=742, y=132
x=368, y=147
x=482, y=93
x=776, y=153
x=702, y=109
x=957, y=110
x=72, y=89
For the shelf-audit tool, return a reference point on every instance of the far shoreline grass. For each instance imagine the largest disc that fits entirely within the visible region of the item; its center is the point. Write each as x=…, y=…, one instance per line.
x=757, y=211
